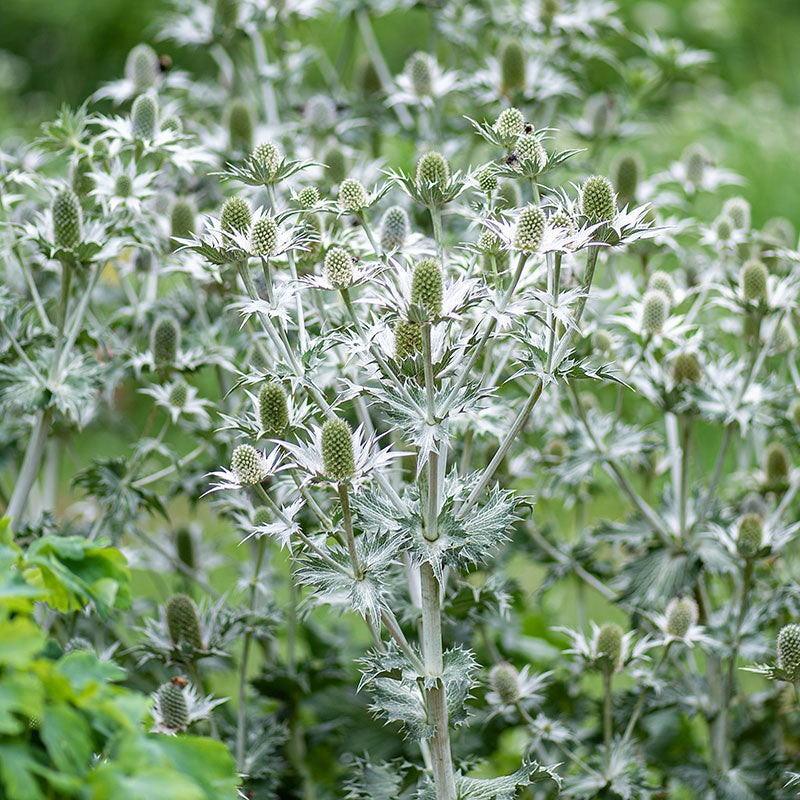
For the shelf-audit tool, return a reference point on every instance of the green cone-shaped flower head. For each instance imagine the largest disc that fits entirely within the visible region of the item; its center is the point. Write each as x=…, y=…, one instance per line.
x=337, y=450
x=144, y=117
x=407, y=339
x=504, y=680
x=181, y=218
x=165, y=342
x=738, y=210
x=789, y=650
x=369, y=81
x=394, y=228
x=336, y=162
x=432, y=170
x=185, y=547
x=601, y=341
x=338, y=267
x=510, y=124
x=308, y=197
x=427, y=286
x=681, y=615
x=695, y=159
x=556, y=450
x=598, y=203
x=487, y=181
x=419, y=69
x=240, y=126
x=267, y=155
x=262, y=516
x=235, y=215
x=320, y=114
x=723, y=227
x=686, y=368
x=777, y=463
x=67, y=219
x=172, y=706
x=530, y=229
x=272, y=408
x=123, y=185
x=512, y=65
x=352, y=195
x=508, y=195
x=489, y=243
x=178, y=394
x=80, y=178
x=754, y=281
x=529, y=148
x=549, y=9
x=561, y=220
x=750, y=534
x=627, y=174
x=663, y=281
x=247, y=465
x=141, y=67
x=264, y=237
x=183, y=622
x=655, y=309
x=609, y=645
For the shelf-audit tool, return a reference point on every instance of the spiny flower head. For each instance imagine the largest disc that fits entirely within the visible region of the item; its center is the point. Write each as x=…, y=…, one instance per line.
x=609, y=645
x=427, y=286
x=598, y=203
x=512, y=65
x=184, y=546
x=432, y=169
x=686, y=368
x=556, y=450
x=264, y=237
x=308, y=197
x=529, y=148
x=235, y=215
x=336, y=162
x=337, y=450
x=247, y=465
x=352, y=195
x=738, y=209
x=419, y=69
x=67, y=219
x=144, y=117
x=507, y=194
x=320, y=113
x=181, y=218
x=655, y=308
x=681, y=615
x=338, y=267
x=753, y=281
x=789, y=650
x=141, y=67
x=777, y=463
x=723, y=227
x=369, y=81
x=272, y=409
x=750, y=534
x=601, y=341
x=165, y=341
x=489, y=243
x=407, y=338
x=172, y=706
x=394, y=228
x=240, y=125
x=561, y=219
x=549, y=10
x=504, y=680
x=262, y=516
x=663, y=281
x=80, y=178
x=626, y=179
x=510, y=124
x=267, y=155
x=178, y=394
x=183, y=622
x=695, y=159
x=123, y=185
x=530, y=229
x=487, y=181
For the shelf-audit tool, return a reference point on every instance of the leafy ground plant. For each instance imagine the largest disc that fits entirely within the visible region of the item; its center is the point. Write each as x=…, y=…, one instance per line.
x=421, y=442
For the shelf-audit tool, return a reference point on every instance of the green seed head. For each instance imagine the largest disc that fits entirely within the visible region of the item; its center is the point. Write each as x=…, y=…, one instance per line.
x=695, y=159
x=123, y=186
x=530, y=229
x=183, y=622
x=663, y=281
x=369, y=81
x=308, y=197
x=489, y=243
x=508, y=195
x=738, y=209
x=681, y=615
x=419, y=69
x=141, y=67
x=723, y=227
x=264, y=237
x=172, y=124
x=240, y=126
x=337, y=450
x=487, y=181
x=184, y=547
x=427, y=286
x=561, y=220
x=267, y=155
x=338, y=267
x=178, y=394
x=272, y=409
x=320, y=114
x=432, y=170
x=556, y=450
x=172, y=706
x=750, y=535
x=235, y=215
x=394, y=228
x=247, y=465
x=529, y=148
x=794, y=412
x=144, y=117
x=337, y=164
x=80, y=178
x=789, y=650
x=504, y=680
x=598, y=203
x=165, y=341
x=753, y=281
x=655, y=308
x=407, y=339
x=777, y=463
x=512, y=65
x=601, y=341
x=181, y=217
x=609, y=645
x=510, y=124
x=262, y=516
x=686, y=369
x=784, y=338
x=352, y=195
x=67, y=219
x=626, y=178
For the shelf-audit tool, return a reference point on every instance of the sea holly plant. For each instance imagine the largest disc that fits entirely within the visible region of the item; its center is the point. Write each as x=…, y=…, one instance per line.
x=424, y=442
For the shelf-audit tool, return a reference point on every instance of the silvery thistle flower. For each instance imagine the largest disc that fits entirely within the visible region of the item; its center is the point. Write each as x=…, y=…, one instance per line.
x=586, y=647
x=122, y=187
x=423, y=83
x=255, y=469
x=193, y=707
x=511, y=688
x=191, y=406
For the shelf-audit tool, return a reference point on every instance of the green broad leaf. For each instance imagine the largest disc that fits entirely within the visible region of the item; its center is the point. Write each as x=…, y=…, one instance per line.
x=21, y=698
x=83, y=668
x=20, y=640
x=507, y=786
x=157, y=783
x=23, y=776
x=67, y=737
x=207, y=761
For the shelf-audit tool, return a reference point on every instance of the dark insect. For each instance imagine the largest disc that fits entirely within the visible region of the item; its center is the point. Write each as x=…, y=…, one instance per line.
x=528, y=127
x=511, y=158
x=164, y=63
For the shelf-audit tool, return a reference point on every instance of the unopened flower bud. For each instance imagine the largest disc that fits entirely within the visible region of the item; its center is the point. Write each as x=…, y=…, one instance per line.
x=67, y=219
x=337, y=450
x=264, y=237
x=394, y=228
x=432, y=170
x=338, y=267
x=141, y=67
x=165, y=342
x=686, y=369
x=529, y=148
x=626, y=179
x=508, y=195
x=268, y=156
x=663, y=281
x=681, y=615
x=655, y=308
x=750, y=534
x=556, y=450
x=419, y=69
x=352, y=196
x=144, y=117
x=738, y=209
x=601, y=341
x=320, y=113
x=336, y=163
x=240, y=126
x=407, y=339
x=178, y=394
x=172, y=706
x=754, y=281
x=510, y=124
x=512, y=65
x=272, y=408
x=723, y=228
x=181, y=218
x=598, y=203
x=504, y=680
x=308, y=197
x=609, y=645
x=262, y=516
x=235, y=215
x=530, y=229
x=427, y=286
x=247, y=465
x=789, y=650
x=183, y=622
x=695, y=159
x=487, y=181
x=185, y=547
x=777, y=464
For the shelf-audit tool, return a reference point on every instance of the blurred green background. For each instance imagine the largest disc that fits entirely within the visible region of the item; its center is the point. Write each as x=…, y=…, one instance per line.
x=52, y=53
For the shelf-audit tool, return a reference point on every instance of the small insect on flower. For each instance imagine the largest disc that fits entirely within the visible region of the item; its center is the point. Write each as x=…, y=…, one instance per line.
x=337, y=450
x=427, y=287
